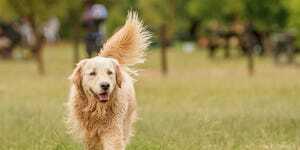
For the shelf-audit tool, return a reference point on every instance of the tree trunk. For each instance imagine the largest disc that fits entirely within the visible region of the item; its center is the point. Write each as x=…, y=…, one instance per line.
x=290, y=54
x=227, y=49
x=248, y=49
x=164, y=62
x=267, y=44
x=250, y=62
x=37, y=48
x=164, y=44
x=38, y=53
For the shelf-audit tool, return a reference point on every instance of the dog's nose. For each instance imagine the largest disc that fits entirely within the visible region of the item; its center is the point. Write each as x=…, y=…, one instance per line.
x=104, y=86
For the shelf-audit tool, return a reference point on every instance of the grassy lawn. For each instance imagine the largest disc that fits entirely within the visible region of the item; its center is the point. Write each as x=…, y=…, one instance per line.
x=202, y=104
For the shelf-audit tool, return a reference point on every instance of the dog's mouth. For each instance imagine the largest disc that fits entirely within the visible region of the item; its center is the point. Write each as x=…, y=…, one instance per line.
x=102, y=97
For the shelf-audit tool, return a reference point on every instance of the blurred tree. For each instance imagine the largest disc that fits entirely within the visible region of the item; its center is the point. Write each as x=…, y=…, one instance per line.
x=36, y=12
x=160, y=16
x=224, y=11
x=267, y=15
x=5, y=11
x=215, y=17
x=206, y=9
x=294, y=19
x=71, y=24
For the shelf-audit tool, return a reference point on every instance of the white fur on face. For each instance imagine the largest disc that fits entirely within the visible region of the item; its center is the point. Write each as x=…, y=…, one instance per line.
x=97, y=71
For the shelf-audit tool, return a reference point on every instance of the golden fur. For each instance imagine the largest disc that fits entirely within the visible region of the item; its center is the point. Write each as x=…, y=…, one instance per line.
x=107, y=125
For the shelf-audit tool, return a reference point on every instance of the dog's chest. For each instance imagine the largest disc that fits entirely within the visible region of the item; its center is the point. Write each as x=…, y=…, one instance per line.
x=102, y=118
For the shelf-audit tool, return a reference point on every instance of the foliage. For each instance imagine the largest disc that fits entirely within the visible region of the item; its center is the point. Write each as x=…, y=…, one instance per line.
x=266, y=14
x=5, y=11
x=39, y=10
x=272, y=15
x=294, y=20
x=207, y=10
x=157, y=13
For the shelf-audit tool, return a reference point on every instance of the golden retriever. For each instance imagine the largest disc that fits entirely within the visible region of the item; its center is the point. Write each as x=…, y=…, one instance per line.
x=102, y=104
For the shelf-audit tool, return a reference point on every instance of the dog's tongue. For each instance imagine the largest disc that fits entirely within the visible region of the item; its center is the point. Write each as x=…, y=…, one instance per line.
x=103, y=97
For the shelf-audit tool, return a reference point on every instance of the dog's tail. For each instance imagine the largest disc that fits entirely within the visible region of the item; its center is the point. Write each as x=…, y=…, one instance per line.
x=128, y=45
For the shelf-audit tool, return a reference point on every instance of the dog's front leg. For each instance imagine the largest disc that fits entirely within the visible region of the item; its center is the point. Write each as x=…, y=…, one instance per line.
x=113, y=140
x=92, y=144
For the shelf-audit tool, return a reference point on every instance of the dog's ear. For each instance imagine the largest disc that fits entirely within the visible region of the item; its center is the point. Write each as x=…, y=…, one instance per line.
x=119, y=76
x=76, y=76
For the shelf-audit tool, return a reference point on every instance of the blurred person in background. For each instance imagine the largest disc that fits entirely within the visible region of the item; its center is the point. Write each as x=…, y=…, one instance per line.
x=93, y=17
x=9, y=38
x=26, y=30
x=51, y=30
x=284, y=45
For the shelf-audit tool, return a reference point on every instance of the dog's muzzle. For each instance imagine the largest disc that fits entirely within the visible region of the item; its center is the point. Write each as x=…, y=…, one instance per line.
x=102, y=97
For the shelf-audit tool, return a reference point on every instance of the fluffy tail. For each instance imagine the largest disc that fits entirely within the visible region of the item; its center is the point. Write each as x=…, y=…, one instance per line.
x=129, y=43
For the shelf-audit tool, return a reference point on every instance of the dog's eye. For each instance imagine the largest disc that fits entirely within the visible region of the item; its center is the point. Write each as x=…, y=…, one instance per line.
x=92, y=73
x=109, y=72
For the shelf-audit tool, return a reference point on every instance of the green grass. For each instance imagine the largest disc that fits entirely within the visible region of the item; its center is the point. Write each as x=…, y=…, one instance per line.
x=202, y=104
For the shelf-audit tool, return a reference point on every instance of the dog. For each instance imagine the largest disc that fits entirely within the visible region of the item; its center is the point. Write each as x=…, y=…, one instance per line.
x=102, y=104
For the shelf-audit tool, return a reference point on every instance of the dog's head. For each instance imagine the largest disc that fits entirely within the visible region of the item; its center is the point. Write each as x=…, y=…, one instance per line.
x=97, y=78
